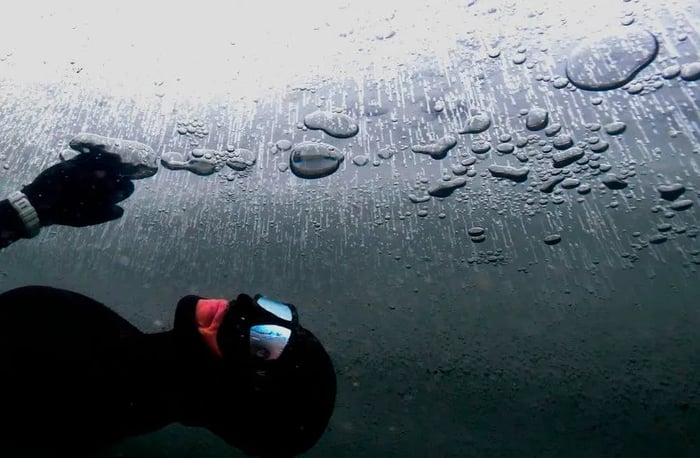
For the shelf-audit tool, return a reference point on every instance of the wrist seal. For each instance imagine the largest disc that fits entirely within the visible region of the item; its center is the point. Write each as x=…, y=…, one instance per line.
x=26, y=212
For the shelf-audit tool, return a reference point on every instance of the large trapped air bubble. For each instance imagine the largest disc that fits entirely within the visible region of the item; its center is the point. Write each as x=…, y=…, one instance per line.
x=476, y=124
x=611, y=60
x=335, y=124
x=139, y=160
x=509, y=172
x=437, y=149
x=173, y=160
x=314, y=160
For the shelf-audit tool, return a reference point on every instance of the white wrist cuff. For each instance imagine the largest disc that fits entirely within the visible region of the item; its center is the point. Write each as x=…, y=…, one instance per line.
x=27, y=213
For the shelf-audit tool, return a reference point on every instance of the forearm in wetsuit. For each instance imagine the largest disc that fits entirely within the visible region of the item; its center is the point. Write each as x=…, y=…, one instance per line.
x=11, y=225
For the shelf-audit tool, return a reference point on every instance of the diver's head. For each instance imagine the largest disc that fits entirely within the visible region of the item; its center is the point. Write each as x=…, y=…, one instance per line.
x=267, y=385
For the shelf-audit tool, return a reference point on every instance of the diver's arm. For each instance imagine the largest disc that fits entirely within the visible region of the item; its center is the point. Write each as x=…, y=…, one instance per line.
x=11, y=225
x=80, y=192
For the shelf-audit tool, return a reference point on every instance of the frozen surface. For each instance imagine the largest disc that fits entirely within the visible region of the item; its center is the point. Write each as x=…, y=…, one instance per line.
x=490, y=280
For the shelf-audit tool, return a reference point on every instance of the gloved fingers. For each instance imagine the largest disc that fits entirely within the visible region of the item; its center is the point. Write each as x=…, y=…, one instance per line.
x=80, y=166
x=115, y=212
x=93, y=159
x=89, y=217
x=105, y=214
x=102, y=185
x=99, y=169
x=123, y=189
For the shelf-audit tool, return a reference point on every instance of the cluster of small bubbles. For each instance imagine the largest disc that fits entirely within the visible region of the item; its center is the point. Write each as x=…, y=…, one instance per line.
x=646, y=85
x=664, y=232
x=240, y=159
x=631, y=257
x=194, y=128
x=439, y=106
x=492, y=257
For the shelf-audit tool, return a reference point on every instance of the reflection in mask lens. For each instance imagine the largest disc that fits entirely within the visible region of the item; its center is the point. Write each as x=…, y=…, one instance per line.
x=276, y=308
x=267, y=341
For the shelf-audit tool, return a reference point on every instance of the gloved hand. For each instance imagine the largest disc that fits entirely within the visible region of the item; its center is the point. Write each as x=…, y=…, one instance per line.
x=80, y=192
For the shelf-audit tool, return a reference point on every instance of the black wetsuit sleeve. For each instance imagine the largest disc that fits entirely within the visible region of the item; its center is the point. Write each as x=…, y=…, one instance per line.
x=11, y=225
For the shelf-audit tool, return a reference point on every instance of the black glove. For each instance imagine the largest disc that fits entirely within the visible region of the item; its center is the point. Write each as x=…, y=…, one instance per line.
x=80, y=192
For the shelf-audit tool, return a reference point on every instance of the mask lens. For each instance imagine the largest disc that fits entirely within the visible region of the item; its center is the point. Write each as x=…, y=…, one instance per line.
x=278, y=309
x=268, y=341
